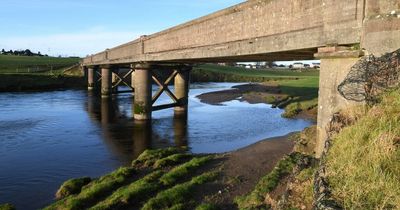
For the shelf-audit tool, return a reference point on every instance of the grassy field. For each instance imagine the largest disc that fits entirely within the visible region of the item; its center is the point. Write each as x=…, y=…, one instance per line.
x=268, y=74
x=30, y=64
x=299, y=90
x=32, y=73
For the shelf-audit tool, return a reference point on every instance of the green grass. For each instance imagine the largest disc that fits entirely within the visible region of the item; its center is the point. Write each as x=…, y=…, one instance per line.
x=258, y=72
x=303, y=95
x=72, y=186
x=183, y=170
x=22, y=64
x=7, y=206
x=131, y=193
x=97, y=188
x=206, y=206
x=363, y=164
x=149, y=157
x=131, y=187
x=171, y=160
x=255, y=200
x=179, y=194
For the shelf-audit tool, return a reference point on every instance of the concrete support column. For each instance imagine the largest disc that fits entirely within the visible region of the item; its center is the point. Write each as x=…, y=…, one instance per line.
x=336, y=63
x=133, y=78
x=106, y=81
x=91, y=78
x=182, y=90
x=115, y=78
x=142, y=100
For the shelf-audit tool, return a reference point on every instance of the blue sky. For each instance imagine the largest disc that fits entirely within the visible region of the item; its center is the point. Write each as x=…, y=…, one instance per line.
x=81, y=27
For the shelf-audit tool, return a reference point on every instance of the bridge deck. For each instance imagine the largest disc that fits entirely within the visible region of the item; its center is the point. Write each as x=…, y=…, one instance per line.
x=250, y=31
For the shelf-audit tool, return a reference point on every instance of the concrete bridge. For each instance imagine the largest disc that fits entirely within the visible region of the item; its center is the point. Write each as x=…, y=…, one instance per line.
x=337, y=32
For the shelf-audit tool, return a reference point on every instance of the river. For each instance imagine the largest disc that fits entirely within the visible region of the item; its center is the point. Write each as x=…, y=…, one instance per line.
x=49, y=137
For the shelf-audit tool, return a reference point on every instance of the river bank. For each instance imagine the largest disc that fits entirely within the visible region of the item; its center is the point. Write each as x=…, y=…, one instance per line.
x=267, y=93
x=39, y=82
x=173, y=178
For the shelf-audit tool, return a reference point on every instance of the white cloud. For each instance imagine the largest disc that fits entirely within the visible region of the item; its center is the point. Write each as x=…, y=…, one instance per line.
x=73, y=44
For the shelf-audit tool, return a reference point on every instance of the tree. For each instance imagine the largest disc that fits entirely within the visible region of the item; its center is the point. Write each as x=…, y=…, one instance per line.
x=270, y=64
x=3, y=51
x=27, y=52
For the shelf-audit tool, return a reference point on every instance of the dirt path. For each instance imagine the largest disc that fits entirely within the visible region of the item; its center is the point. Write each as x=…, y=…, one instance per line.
x=242, y=169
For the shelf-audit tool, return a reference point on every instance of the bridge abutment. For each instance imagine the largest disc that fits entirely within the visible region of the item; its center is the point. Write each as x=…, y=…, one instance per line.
x=336, y=63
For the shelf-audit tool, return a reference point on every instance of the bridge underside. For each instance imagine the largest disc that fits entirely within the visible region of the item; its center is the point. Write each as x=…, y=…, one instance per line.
x=305, y=54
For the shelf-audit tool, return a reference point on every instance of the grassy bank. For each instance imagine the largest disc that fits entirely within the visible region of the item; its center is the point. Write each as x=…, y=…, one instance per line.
x=157, y=179
x=363, y=164
x=36, y=82
x=30, y=73
x=298, y=91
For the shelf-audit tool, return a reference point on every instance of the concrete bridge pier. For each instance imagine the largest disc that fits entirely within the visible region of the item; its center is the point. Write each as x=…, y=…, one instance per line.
x=181, y=83
x=106, y=81
x=336, y=62
x=91, y=76
x=132, y=68
x=142, y=100
x=114, y=80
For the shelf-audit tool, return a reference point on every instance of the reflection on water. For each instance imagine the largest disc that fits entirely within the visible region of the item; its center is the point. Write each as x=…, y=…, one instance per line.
x=124, y=136
x=49, y=137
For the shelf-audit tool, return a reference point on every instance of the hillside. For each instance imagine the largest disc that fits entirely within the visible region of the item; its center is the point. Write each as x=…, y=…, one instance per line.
x=30, y=64
x=33, y=73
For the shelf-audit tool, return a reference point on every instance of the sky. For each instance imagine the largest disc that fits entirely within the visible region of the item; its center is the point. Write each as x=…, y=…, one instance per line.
x=83, y=27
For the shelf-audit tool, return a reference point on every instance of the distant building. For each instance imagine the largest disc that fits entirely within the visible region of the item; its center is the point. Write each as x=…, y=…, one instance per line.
x=298, y=65
x=316, y=65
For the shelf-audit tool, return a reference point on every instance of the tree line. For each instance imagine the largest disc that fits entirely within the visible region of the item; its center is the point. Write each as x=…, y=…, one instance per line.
x=26, y=52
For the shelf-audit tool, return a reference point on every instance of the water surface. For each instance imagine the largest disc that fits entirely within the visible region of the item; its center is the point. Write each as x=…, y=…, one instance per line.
x=49, y=137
